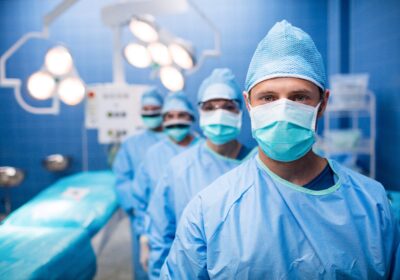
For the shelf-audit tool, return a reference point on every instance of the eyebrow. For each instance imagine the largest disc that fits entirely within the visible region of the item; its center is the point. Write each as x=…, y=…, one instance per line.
x=301, y=91
x=220, y=101
x=297, y=91
x=264, y=92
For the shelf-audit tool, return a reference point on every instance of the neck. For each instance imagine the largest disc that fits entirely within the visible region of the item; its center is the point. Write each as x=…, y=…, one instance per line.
x=157, y=129
x=230, y=149
x=299, y=172
x=185, y=142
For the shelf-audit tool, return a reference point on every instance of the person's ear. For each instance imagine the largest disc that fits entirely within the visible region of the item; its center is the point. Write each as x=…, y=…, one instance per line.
x=324, y=103
x=246, y=97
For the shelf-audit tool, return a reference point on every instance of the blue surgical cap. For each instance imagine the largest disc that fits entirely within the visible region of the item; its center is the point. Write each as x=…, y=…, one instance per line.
x=177, y=101
x=220, y=84
x=286, y=51
x=152, y=97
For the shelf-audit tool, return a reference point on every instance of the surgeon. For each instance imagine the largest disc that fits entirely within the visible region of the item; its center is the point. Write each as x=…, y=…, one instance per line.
x=131, y=155
x=178, y=117
x=286, y=213
x=220, y=105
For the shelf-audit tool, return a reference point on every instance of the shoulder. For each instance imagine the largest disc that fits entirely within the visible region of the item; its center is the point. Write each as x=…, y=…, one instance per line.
x=140, y=135
x=185, y=159
x=357, y=180
x=364, y=187
x=231, y=184
x=215, y=201
x=158, y=147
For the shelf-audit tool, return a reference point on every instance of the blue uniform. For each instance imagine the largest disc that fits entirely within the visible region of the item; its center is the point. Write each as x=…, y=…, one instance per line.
x=129, y=156
x=185, y=176
x=252, y=224
x=152, y=167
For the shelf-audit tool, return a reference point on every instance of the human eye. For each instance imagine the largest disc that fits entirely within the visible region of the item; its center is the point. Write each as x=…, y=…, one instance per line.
x=268, y=98
x=207, y=107
x=300, y=98
x=230, y=107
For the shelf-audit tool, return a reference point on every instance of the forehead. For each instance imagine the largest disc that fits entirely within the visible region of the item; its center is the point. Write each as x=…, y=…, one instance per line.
x=285, y=86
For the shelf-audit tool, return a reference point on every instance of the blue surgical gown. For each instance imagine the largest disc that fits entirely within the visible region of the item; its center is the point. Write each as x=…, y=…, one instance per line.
x=128, y=158
x=125, y=166
x=185, y=176
x=252, y=224
x=154, y=163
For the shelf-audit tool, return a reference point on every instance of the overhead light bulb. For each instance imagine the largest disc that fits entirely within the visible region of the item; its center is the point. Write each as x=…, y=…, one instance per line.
x=137, y=55
x=160, y=53
x=182, y=56
x=172, y=78
x=71, y=90
x=144, y=30
x=41, y=85
x=58, y=61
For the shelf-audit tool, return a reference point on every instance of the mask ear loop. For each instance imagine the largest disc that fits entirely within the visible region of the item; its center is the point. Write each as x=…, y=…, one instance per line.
x=315, y=115
x=318, y=109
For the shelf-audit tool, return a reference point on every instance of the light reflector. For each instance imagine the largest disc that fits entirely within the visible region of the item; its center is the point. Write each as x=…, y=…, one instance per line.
x=182, y=56
x=58, y=61
x=71, y=91
x=137, y=55
x=160, y=53
x=144, y=30
x=41, y=85
x=172, y=78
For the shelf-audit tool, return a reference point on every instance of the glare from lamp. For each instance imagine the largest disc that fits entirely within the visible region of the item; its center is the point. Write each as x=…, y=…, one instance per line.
x=172, y=78
x=181, y=56
x=41, y=85
x=143, y=30
x=137, y=55
x=71, y=91
x=160, y=53
x=48, y=209
x=58, y=61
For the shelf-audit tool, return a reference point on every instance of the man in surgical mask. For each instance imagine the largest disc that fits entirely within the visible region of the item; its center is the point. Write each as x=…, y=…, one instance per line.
x=130, y=155
x=220, y=106
x=286, y=213
x=178, y=117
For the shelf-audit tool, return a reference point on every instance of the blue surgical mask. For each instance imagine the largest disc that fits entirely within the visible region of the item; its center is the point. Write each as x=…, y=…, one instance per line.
x=284, y=129
x=220, y=126
x=177, y=133
x=152, y=122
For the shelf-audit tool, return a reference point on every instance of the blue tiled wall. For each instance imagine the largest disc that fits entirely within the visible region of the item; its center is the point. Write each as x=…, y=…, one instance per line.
x=375, y=48
x=25, y=138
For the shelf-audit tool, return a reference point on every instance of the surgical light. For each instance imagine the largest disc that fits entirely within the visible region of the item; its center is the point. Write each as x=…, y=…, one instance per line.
x=182, y=56
x=160, y=53
x=172, y=78
x=71, y=90
x=144, y=30
x=41, y=85
x=58, y=61
x=137, y=55
x=56, y=162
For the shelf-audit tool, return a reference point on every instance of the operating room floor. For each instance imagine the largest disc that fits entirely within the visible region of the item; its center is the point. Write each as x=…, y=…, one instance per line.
x=115, y=260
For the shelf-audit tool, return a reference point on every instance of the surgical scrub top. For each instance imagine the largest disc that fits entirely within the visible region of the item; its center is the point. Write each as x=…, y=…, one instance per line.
x=128, y=158
x=185, y=176
x=252, y=224
x=154, y=163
